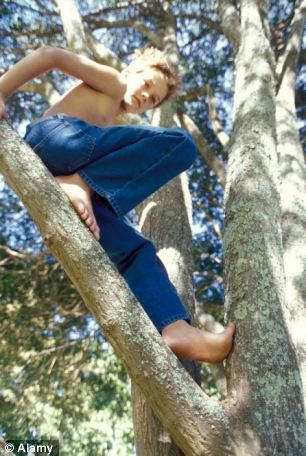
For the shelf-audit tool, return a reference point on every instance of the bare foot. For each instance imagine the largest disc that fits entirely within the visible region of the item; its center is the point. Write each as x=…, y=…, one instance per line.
x=188, y=342
x=79, y=193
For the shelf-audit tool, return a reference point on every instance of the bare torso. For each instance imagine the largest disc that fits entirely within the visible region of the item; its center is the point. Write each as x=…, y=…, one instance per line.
x=87, y=104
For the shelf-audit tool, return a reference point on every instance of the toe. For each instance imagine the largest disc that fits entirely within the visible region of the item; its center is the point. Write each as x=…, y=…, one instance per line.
x=232, y=328
x=82, y=210
x=85, y=215
x=89, y=221
x=92, y=225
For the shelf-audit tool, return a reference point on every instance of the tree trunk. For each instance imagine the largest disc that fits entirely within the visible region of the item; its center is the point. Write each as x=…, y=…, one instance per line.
x=166, y=218
x=264, y=383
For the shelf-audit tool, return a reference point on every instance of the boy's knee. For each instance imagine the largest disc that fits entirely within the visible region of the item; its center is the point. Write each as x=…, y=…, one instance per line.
x=188, y=149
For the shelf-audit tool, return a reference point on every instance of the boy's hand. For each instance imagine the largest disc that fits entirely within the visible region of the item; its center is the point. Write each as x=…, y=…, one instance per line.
x=3, y=113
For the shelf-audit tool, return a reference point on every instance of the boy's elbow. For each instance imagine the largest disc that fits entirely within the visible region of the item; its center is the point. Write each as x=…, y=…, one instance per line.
x=48, y=52
x=121, y=85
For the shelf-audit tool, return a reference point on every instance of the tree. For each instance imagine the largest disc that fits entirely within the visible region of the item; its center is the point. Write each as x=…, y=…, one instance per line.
x=255, y=417
x=254, y=266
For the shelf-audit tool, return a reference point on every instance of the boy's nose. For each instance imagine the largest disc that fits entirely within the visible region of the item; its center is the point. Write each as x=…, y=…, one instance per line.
x=144, y=96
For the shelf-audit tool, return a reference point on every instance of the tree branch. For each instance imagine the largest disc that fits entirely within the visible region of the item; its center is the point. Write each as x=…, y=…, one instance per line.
x=204, y=20
x=287, y=62
x=119, y=5
x=37, y=32
x=22, y=255
x=19, y=49
x=78, y=40
x=214, y=119
x=178, y=401
x=230, y=22
x=278, y=35
x=209, y=307
x=196, y=38
x=302, y=58
x=146, y=31
x=194, y=94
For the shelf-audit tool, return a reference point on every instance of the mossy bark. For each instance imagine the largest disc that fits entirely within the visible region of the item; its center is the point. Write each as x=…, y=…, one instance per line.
x=264, y=381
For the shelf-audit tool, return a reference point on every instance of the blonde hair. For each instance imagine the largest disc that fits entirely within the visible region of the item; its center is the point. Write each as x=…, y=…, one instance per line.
x=154, y=58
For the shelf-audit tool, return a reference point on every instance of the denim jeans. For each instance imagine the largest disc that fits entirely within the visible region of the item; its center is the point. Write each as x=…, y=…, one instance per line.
x=123, y=165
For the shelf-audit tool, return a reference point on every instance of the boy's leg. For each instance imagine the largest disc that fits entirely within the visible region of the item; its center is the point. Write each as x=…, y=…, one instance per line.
x=135, y=258
x=124, y=164
x=148, y=158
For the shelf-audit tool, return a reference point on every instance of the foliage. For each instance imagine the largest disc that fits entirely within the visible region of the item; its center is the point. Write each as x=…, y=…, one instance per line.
x=56, y=364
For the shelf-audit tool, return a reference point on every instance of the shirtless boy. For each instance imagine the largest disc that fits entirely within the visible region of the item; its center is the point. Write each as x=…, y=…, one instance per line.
x=101, y=94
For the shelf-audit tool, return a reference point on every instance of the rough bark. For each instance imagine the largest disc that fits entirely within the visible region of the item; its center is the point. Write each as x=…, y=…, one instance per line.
x=230, y=22
x=293, y=194
x=264, y=383
x=197, y=424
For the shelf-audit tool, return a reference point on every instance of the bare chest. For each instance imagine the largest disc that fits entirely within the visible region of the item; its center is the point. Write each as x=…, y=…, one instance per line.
x=87, y=104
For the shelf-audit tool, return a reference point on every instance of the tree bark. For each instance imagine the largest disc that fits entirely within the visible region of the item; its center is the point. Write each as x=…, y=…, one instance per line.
x=230, y=21
x=264, y=382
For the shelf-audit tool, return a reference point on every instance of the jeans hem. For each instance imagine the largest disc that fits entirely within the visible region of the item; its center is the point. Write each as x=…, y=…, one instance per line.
x=169, y=320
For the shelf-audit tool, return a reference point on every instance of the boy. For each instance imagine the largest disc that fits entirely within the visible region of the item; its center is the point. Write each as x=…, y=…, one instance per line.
x=107, y=170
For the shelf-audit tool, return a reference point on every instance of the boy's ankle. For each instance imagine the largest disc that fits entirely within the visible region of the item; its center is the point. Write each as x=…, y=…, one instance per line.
x=176, y=325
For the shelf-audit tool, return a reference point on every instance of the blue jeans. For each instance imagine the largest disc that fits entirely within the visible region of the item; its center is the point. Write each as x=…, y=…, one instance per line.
x=123, y=165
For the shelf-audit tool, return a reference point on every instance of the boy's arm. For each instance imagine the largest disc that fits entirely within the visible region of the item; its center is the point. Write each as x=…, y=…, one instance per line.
x=32, y=65
x=100, y=77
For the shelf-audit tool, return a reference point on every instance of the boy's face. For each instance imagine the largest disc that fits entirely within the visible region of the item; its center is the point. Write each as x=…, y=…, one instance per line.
x=145, y=88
